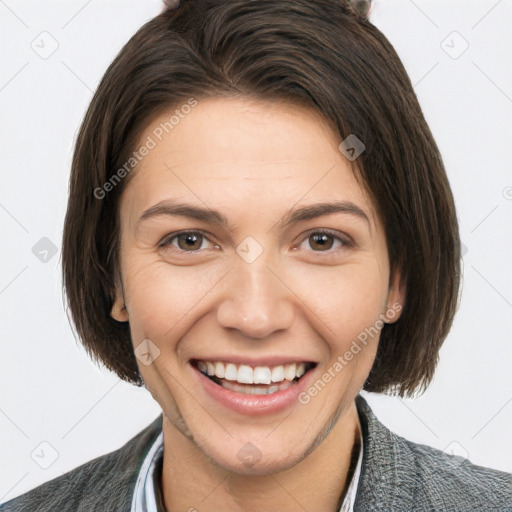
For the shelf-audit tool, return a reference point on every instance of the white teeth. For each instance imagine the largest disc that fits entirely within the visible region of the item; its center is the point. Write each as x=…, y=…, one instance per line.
x=245, y=374
x=230, y=373
x=210, y=369
x=219, y=370
x=253, y=390
x=301, y=370
x=262, y=375
x=289, y=371
x=277, y=374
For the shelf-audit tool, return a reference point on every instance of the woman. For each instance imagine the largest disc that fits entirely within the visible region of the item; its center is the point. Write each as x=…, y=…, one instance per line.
x=259, y=226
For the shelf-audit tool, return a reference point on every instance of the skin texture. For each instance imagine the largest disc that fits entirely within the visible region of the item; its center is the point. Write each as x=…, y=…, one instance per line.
x=252, y=161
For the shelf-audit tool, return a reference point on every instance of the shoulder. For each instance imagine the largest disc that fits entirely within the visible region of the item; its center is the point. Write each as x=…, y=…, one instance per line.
x=104, y=483
x=409, y=476
x=441, y=478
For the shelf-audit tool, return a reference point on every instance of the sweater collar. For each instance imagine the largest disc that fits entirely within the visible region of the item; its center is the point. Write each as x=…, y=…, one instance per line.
x=385, y=457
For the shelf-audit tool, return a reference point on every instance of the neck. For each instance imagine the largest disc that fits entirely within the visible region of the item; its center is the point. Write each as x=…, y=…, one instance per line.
x=192, y=482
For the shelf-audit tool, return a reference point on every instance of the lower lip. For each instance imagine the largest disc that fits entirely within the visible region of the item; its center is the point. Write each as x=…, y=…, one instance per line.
x=253, y=405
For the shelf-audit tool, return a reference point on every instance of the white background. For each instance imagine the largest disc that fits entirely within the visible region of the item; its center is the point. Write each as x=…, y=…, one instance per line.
x=51, y=392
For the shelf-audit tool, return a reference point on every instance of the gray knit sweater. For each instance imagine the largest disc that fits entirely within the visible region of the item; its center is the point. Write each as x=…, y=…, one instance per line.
x=397, y=476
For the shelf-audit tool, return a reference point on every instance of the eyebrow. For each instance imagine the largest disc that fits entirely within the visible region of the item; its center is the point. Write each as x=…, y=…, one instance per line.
x=293, y=216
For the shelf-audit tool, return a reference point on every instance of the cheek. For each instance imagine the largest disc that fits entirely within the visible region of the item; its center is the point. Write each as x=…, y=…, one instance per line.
x=161, y=297
x=345, y=299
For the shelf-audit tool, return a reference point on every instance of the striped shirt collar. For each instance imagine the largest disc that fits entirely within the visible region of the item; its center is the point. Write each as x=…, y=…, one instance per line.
x=148, y=496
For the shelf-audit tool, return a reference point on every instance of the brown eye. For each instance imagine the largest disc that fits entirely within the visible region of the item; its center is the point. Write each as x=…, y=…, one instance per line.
x=325, y=241
x=321, y=241
x=187, y=241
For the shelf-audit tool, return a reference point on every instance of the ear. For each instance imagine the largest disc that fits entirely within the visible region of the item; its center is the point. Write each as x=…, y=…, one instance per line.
x=119, y=311
x=396, y=297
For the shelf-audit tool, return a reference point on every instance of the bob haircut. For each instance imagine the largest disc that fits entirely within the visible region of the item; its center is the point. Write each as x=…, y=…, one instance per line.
x=323, y=54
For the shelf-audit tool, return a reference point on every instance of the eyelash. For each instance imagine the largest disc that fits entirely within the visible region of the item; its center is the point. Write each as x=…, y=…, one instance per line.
x=345, y=242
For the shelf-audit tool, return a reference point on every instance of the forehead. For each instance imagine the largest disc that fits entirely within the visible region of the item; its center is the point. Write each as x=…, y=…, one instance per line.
x=243, y=153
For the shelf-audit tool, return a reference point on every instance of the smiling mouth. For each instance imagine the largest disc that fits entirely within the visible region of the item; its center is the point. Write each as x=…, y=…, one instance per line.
x=253, y=380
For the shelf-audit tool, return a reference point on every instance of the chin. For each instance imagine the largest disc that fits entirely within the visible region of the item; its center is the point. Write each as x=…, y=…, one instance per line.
x=257, y=455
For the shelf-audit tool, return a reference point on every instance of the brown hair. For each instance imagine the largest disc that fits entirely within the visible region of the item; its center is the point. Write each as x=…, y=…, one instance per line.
x=323, y=54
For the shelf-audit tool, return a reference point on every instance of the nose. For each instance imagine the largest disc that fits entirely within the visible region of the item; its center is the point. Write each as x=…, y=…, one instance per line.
x=256, y=301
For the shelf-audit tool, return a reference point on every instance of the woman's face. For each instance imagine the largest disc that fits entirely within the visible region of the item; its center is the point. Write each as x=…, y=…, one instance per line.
x=276, y=293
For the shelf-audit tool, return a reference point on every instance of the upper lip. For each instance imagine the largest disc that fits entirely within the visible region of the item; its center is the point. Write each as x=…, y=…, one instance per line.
x=252, y=361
